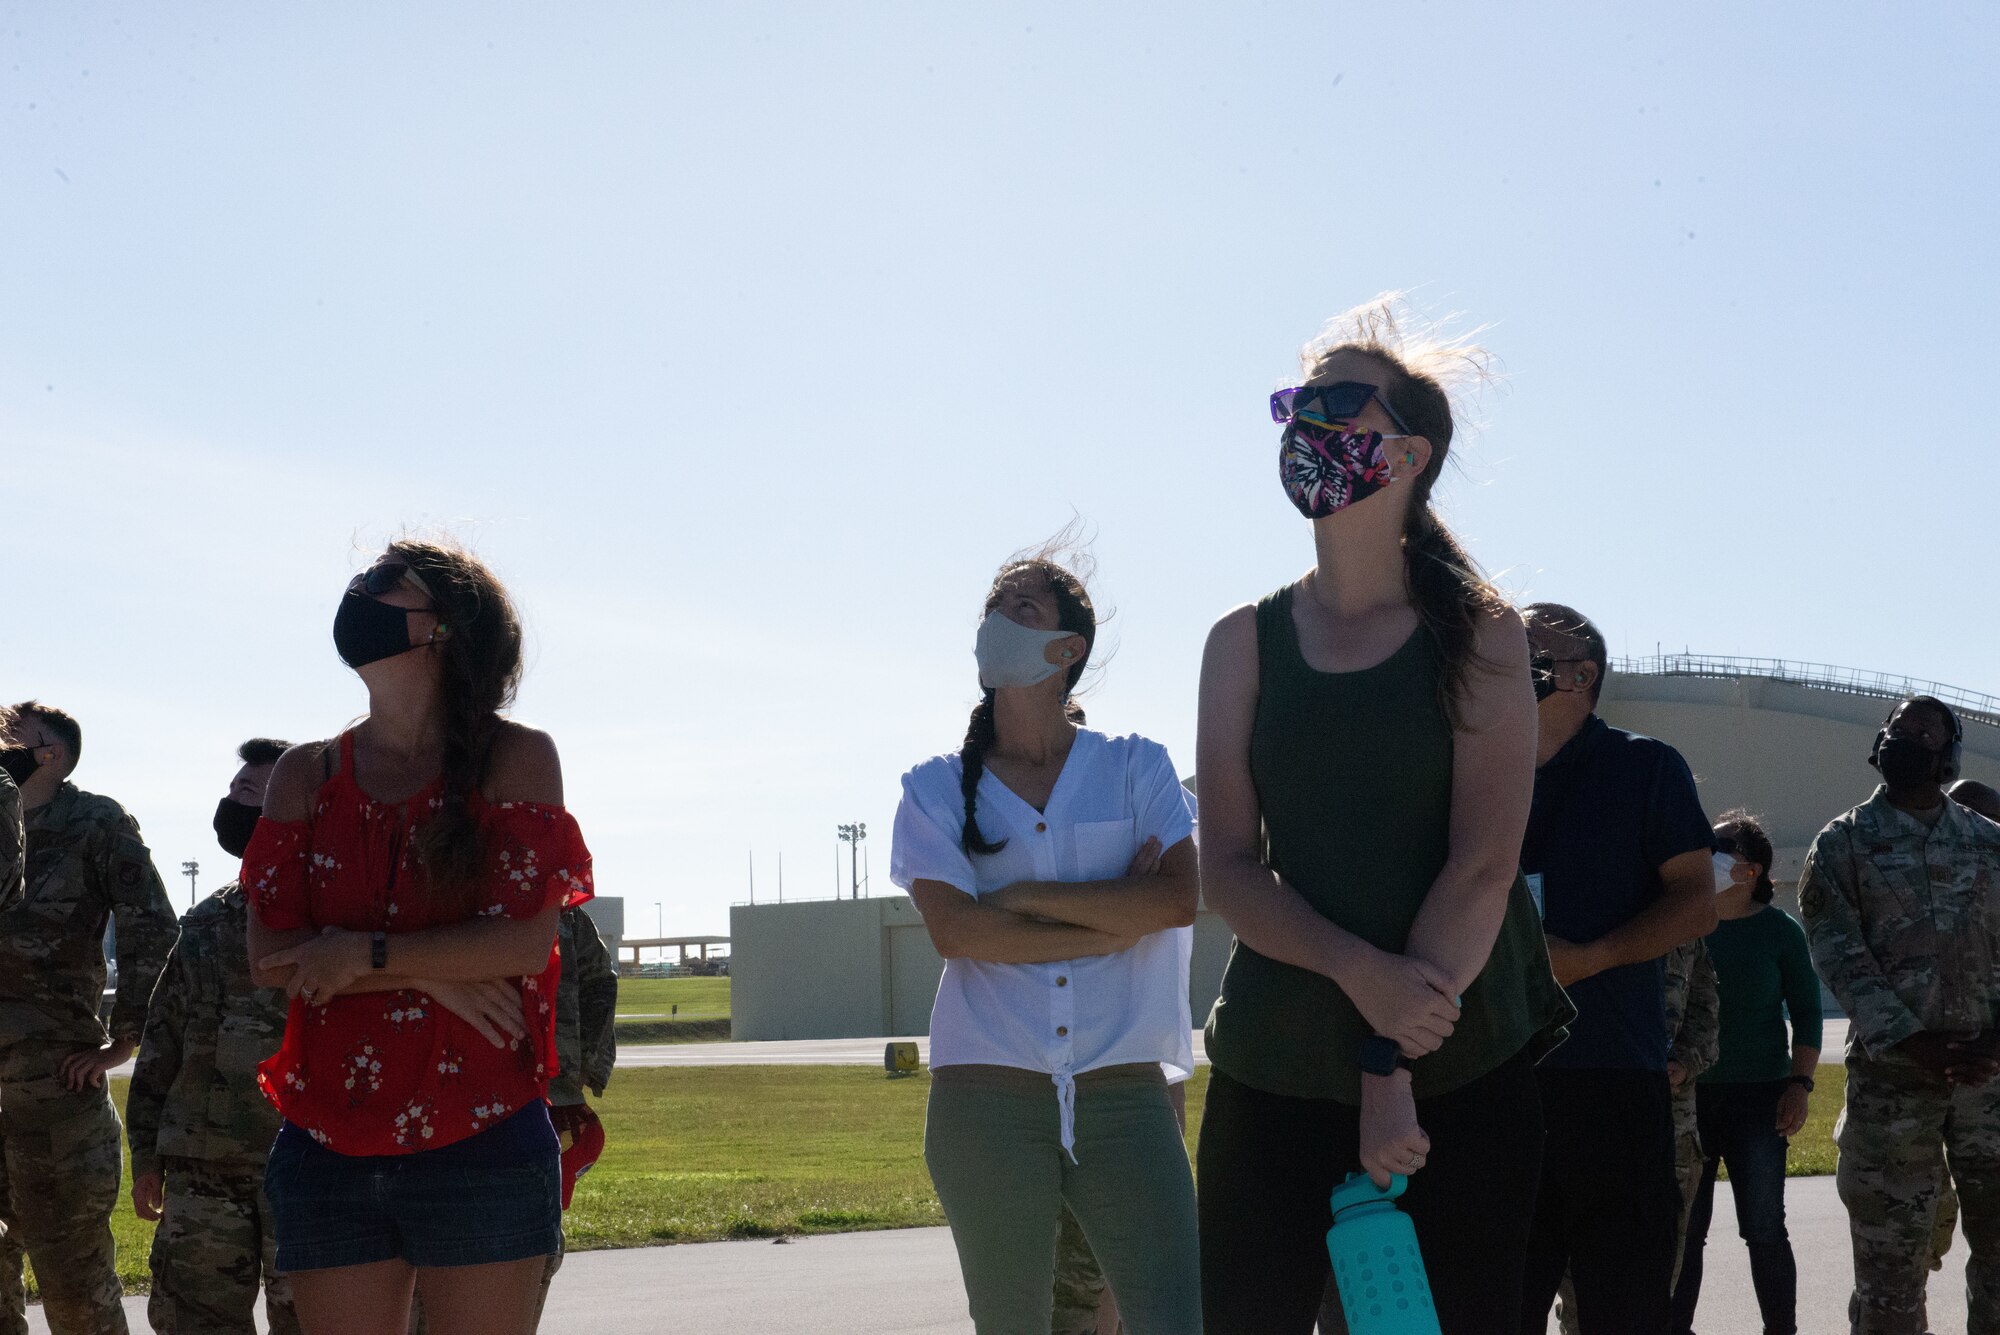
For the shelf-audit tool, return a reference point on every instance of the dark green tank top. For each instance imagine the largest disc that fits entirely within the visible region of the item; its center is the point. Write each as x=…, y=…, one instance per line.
x=1353, y=771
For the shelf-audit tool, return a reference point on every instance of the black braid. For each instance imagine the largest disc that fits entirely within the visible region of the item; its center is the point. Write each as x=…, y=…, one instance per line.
x=979, y=734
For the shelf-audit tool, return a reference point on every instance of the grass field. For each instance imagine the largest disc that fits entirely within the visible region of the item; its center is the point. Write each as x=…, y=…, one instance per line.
x=694, y=1154
x=697, y=998
x=673, y=1010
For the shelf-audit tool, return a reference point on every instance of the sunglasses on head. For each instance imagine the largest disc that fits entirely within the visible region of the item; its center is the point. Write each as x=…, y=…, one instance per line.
x=1726, y=845
x=1338, y=402
x=384, y=576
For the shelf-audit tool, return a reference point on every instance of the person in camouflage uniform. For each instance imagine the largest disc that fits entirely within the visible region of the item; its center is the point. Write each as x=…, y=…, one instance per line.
x=13, y=848
x=86, y=864
x=1901, y=900
x=1694, y=1018
x=586, y=1050
x=1982, y=798
x=586, y=1038
x=199, y=1127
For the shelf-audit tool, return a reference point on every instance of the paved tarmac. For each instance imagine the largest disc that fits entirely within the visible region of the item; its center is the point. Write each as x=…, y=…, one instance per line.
x=868, y=1051
x=906, y=1282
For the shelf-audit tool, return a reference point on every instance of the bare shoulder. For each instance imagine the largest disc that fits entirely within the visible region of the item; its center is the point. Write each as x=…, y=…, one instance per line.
x=524, y=766
x=1502, y=637
x=295, y=779
x=1233, y=638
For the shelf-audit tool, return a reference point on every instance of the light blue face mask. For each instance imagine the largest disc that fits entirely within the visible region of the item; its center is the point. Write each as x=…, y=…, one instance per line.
x=1010, y=654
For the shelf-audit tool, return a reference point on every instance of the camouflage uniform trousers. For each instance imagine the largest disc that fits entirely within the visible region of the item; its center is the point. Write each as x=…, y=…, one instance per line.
x=213, y=1250
x=1079, y=1283
x=1947, y=1215
x=60, y=1156
x=1888, y=1136
x=1687, y=1172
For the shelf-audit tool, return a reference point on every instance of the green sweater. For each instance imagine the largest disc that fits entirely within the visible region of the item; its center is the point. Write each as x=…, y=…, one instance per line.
x=1763, y=970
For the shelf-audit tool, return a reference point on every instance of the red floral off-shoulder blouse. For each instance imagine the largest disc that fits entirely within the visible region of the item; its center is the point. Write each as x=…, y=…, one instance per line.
x=394, y=1072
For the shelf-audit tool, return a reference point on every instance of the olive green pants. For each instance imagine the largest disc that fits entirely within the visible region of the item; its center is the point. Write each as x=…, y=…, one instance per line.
x=992, y=1141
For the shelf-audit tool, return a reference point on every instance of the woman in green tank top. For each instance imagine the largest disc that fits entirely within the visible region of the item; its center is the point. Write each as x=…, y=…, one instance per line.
x=1367, y=756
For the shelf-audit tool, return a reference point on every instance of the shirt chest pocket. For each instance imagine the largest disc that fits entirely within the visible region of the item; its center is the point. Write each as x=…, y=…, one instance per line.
x=1895, y=900
x=1104, y=849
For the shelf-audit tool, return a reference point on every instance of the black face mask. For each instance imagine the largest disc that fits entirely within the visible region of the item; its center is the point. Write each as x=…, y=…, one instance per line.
x=1907, y=763
x=366, y=631
x=20, y=763
x=1542, y=668
x=234, y=822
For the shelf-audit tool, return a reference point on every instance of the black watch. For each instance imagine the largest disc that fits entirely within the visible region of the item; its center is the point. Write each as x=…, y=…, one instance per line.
x=378, y=951
x=1381, y=1056
x=1803, y=1081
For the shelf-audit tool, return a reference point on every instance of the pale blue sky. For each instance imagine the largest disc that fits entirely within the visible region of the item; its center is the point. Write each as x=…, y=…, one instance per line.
x=745, y=340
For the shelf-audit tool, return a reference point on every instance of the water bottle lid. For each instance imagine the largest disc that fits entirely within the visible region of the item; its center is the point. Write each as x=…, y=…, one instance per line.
x=1360, y=1189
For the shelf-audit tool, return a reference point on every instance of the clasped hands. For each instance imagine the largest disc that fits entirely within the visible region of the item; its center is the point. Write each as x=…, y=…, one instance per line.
x=1411, y=1000
x=327, y=965
x=1962, y=1058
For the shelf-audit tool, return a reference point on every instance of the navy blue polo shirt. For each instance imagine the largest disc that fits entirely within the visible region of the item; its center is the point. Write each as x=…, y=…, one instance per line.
x=1610, y=808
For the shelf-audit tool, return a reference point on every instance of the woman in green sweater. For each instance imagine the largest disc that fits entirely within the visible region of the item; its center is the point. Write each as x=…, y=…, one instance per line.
x=1755, y=1095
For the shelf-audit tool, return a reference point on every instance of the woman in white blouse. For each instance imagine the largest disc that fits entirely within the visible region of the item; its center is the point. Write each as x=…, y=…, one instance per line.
x=1050, y=863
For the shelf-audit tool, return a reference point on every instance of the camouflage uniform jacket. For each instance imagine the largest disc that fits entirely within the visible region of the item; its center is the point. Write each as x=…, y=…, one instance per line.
x=586, y=1011
x=1694, y=1019
x=194, y=1092
x=85, y=863
x=1904, y=922
x=12, y=838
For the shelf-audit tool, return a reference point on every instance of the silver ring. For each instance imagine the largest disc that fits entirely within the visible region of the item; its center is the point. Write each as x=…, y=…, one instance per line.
x=308, y=992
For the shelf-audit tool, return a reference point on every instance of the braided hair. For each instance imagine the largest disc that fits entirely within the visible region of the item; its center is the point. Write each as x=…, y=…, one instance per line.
x=1075, y=614
x=479, y=668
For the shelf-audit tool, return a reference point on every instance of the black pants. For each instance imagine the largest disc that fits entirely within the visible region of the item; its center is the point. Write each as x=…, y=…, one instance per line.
x=1268, y=1165
x=1609, y=1205
x=1739, y=1127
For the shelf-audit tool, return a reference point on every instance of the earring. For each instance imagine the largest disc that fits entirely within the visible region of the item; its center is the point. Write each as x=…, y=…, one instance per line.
x=1069, y=653
x=1410, y=457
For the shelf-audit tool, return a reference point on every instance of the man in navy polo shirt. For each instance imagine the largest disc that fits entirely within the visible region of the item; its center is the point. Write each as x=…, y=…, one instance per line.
x=1619, y=854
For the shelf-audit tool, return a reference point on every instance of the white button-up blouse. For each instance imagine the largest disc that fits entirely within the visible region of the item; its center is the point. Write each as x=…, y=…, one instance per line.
x=1068, y=1016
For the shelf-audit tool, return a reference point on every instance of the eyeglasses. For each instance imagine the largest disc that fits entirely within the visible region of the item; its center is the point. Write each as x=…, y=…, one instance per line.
x=384, y=576
x=1338, y=402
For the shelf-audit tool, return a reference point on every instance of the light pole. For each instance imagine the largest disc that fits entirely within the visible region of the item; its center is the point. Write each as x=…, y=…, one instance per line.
x=852, y=835
x=191, y=869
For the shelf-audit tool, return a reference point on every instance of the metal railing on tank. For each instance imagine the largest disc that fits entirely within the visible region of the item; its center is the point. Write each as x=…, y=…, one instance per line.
x=1971, y=705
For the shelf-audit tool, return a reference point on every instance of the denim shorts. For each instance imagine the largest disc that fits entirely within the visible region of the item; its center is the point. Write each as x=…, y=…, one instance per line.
x=496, y=1196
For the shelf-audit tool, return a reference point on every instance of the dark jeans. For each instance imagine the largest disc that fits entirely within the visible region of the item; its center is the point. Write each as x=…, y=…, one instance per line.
x=1269, y=1163
x=1610, y=1206
x=1739, y=1127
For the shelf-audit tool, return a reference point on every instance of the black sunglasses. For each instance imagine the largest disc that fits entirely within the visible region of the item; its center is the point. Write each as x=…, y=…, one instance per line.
x=383, y=577
x=1338, y=402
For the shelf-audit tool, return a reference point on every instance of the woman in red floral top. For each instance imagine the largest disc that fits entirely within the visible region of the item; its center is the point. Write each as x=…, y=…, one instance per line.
x=406, y=880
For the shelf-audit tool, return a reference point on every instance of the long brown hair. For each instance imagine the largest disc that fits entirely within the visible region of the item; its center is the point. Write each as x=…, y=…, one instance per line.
x=1074, y=613
x=479, y=668
x=1446, y=586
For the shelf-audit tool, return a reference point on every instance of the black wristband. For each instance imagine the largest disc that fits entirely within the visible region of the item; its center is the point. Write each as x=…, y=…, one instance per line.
x=1381, y=1056
x=1803, y=1081
x=378, y=951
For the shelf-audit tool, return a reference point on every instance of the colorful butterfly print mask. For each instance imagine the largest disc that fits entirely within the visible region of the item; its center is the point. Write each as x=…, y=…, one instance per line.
x=1325, y=469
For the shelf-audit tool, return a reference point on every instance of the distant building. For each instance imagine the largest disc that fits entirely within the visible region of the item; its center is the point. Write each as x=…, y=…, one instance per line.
x=1790, y=741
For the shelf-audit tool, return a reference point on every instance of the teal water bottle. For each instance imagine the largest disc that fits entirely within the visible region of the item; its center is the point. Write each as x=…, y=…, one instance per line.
x=1383, y=1288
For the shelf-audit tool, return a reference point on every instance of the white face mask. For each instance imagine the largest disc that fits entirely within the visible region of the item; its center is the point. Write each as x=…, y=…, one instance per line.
x=1725, y=873
x=1010, y=654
